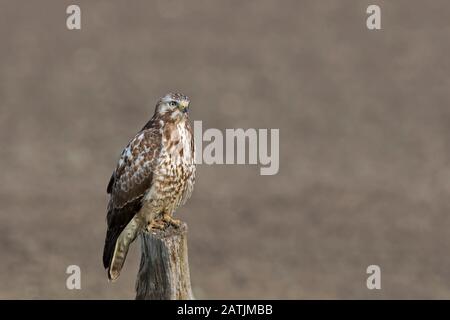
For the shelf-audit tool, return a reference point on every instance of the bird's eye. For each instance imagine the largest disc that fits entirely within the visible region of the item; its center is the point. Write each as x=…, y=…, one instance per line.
x=173, y=104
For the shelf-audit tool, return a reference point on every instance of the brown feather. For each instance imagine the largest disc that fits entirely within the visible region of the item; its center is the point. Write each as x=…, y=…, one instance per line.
x=128, y=185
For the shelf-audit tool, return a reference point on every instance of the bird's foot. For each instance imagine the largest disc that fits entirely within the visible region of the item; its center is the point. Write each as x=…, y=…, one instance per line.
x=171, y=221
x=156, y=224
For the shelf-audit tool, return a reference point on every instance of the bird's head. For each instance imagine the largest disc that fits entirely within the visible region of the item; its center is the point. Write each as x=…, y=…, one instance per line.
x=174, y=104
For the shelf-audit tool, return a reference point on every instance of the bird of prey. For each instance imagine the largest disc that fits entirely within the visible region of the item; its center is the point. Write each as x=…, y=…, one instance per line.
x=154, y=176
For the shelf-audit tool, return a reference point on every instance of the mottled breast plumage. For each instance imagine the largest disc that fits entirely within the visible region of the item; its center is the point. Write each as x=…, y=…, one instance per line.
x=178, y=168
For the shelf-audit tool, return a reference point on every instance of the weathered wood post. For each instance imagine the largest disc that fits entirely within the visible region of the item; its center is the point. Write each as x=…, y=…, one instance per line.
x=164, y=268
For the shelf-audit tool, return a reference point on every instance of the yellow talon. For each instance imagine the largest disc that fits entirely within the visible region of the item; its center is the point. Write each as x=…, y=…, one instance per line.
x=171, y=221
x=156, y=224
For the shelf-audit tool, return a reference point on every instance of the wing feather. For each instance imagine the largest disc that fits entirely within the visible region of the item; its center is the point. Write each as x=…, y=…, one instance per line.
x=129, y=183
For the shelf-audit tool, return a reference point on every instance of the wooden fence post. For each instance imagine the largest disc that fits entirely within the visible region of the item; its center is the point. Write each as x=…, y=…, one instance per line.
x=164, y=268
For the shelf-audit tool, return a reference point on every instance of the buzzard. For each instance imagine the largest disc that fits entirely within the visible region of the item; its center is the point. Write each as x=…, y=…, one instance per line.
x=154, y=176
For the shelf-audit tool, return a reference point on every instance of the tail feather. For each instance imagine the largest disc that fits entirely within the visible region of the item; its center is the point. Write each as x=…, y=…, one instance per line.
x=110, y=243
x=116, y=247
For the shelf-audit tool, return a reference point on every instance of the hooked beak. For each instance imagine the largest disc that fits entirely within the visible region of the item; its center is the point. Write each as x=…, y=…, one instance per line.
x=184, y=106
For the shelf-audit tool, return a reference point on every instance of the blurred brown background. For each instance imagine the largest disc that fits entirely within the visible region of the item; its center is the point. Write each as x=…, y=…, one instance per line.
x=364, y=121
